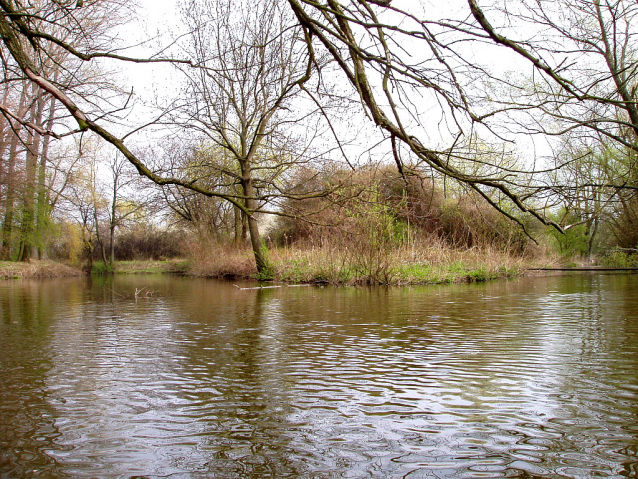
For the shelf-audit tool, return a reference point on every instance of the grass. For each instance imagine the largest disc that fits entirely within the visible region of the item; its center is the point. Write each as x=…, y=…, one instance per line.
x=100, y=267
x=435, y=263
x=52, y=269
x=174, y=266
x=401, y=266
x=36, y=269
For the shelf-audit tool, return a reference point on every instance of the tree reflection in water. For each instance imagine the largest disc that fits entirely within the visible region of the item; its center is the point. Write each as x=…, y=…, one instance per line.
x=535, y=376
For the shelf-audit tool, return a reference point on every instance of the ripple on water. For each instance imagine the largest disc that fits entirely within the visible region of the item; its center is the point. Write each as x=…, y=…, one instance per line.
x=517, y=379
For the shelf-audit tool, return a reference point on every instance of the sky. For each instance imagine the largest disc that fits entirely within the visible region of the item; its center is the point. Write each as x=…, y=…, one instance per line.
x=161, y=17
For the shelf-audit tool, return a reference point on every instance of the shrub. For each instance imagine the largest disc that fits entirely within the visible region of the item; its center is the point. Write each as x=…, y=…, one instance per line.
x=149, y=242
x=100, y=267
x=620, y=258
x=381, y=201
x=211, y=258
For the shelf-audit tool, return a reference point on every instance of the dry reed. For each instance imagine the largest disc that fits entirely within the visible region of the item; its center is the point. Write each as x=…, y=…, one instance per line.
x=36, y=269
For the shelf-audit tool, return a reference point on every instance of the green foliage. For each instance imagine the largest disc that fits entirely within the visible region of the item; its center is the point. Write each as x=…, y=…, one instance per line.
x=100, y=267
x=417, y=273
x=480, y=275
x=574, y=242
x=617, y=258
x=267, y=272
x=472, y=275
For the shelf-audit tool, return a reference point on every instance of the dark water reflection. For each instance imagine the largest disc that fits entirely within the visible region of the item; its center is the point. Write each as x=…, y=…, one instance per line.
x=536, y=377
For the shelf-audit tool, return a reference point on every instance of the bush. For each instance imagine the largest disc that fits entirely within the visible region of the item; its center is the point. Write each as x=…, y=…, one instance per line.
x=100, y=267
x=411, y=209
x=148, y=242
x=213, y=259
x=620, y=258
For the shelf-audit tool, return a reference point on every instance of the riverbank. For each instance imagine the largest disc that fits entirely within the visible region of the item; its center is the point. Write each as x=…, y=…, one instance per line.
x=171, y=266
x=401, y=266
x=51, y=269
x=320, y=266
x=36, y=269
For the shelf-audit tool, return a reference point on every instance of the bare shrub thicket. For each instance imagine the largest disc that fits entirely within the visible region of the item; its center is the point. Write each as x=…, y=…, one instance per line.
x=624, y=227
x=216, y=258
x=149, y=242
x=385, y=210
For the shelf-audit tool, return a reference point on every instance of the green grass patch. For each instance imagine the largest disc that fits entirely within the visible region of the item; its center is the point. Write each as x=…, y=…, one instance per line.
x=100, y=267
x=152, y=267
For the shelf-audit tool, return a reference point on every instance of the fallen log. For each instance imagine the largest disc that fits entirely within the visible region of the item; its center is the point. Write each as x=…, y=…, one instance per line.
x=271, y=287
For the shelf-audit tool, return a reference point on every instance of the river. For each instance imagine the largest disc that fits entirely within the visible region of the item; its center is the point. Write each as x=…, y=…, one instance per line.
x=534, y=377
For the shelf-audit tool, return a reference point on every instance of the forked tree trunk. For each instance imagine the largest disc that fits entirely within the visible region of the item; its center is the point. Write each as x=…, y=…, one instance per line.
x=112, y=245
x=259, y=249
x=238, y=237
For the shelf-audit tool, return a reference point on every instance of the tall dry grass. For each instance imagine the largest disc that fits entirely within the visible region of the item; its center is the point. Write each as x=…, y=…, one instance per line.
x=419, y=262
x=211, y=258
x=36, y=269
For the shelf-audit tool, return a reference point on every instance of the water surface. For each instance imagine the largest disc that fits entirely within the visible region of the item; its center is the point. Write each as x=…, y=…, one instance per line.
x=535, y=377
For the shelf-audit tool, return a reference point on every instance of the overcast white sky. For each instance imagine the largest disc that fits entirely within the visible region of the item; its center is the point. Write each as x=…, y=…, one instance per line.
x=157, y=17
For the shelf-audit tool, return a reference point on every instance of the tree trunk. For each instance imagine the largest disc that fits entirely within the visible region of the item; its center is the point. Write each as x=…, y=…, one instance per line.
x=98, y=236
x=7, y=226
x=5, y=133
x=259, y=249
x=238, y=236
x=244, y=227
x=88, y=251
x=592, y=229
x=112, y=245
x=28, y=247
x=43, y=207
x=117, y=172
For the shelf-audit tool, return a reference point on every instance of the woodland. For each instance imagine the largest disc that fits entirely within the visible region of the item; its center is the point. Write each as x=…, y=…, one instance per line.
x=365, y=141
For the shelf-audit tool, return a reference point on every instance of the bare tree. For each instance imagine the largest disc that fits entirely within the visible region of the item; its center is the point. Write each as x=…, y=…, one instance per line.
x=584, y=90
x=125, y=199
x=88, y=205
x=411, y=72
x=366, y=47
x=252, y=67
x=209, y=216
x=585, y=57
